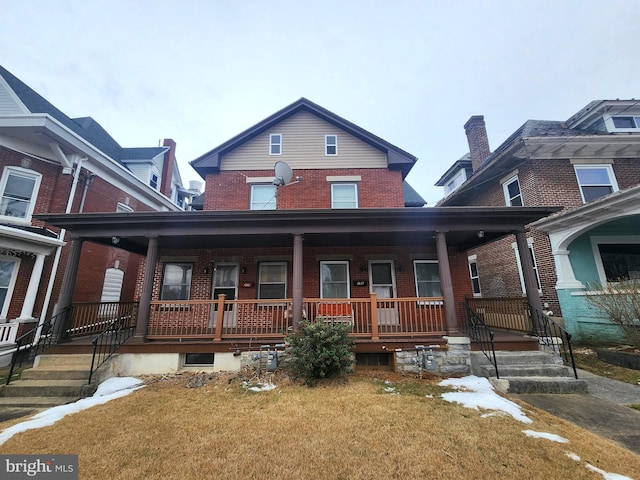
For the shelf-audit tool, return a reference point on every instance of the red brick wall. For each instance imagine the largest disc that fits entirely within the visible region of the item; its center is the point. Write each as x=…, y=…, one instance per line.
x=378, y=188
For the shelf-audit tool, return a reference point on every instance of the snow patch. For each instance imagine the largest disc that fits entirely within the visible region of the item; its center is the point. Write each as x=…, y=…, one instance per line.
x=478, y=393
x=548, y=436
x=108, y=390
x=260, y=387
x=607, y=475
x=573, y=456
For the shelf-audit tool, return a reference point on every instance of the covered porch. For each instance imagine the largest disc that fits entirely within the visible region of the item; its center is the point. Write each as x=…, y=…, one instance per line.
x=441, y=235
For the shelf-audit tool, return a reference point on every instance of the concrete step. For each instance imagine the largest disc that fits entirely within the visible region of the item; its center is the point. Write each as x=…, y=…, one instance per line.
x=533, y=370
x=58, y=360
x=539, y=385
x=34, y=402
x=521, y=358
x=55, y=373
x=44, y=388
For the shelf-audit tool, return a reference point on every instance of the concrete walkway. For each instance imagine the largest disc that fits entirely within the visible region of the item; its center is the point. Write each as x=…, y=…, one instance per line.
x=602, y=411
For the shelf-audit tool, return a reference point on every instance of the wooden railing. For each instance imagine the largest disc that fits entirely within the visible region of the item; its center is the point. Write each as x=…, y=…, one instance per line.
x=92, y=318
x=506, y=313
x=223, y=319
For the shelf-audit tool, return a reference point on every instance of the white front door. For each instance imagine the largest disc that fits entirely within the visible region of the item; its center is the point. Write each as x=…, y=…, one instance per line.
x=225, y=281
x=383, y=282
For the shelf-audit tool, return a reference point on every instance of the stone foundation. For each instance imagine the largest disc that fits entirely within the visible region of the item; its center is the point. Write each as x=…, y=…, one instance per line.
x=451, y=359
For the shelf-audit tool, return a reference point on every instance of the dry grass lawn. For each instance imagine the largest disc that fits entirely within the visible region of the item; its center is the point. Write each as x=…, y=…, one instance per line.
x=347, y=429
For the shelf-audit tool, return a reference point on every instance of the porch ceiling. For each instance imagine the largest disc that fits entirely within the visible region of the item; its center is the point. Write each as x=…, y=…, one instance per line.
x=372, y=227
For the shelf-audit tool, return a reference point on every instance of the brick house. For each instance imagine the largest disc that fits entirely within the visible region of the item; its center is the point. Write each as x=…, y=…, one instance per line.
x=50, y=163
x=343, y=239
x=585, y=164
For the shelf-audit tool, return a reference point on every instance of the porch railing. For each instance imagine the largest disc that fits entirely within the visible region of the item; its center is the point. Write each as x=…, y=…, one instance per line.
x=482, y=335
x=93, y=318
x=505, y=313
x=369, y=317
x=8, y=332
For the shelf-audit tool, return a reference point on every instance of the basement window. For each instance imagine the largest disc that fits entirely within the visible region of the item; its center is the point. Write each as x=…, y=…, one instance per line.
x=198, y=359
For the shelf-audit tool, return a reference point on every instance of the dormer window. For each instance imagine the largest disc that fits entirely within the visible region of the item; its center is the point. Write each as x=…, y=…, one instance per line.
x=453, y=184
x=626, y=122
x=275, y=144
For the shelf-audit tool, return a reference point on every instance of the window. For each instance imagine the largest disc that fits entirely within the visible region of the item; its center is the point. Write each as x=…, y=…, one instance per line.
x=344, y=195
x=458, y=180
x=198, y=359
x=275, y=144
x=19, y=190
x=595, y=181
x=153, y=180
x=533, y=261
x=334, y=279
x=512, y=194
x=475, y=278
x=272, y=280
x=620, y=261
x=427, y=275
x=176, y=281
x=331, y=145
x=263, y=197
x=8, y=275
x=626, y=122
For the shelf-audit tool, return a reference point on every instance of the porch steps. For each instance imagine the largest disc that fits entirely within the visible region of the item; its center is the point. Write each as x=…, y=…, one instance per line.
x=53, y=380
x=528, y=372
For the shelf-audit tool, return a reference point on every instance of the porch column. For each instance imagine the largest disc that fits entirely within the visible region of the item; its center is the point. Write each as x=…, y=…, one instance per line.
x=297, y=279
x=32, y=289
x=446, y=284
x=142, y=322
x=68, y=285
x=529, y=274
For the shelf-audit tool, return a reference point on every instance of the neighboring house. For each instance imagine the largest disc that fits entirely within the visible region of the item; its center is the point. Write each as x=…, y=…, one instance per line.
x=589, y=165
x=50, y=163
x=344, y=241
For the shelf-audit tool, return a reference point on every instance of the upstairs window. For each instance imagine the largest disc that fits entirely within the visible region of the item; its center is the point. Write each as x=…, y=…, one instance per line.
x=19, y=189
x=263, y=197
x=427, y=276
x=626, y=122
x=595, y=181
x=458, y=180
x=275, y=144
x=176, y=281
x=331, y=145
x=512, y=194
x=272, y=280
x=344, y=195
x=153, y=180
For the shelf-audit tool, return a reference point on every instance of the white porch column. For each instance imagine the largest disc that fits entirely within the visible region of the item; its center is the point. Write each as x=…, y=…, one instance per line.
x=564, y=271
x=32, y=289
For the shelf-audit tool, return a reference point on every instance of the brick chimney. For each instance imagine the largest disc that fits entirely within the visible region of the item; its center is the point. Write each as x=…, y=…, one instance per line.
x=167, y=167
x=478, y=142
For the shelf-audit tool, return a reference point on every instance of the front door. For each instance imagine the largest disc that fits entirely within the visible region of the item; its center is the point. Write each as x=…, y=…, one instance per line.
x=383, y=283
x=225, y=281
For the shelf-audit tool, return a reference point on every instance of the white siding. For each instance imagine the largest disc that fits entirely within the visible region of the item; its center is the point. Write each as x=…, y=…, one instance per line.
x=140, y=170
x=303, y=148
x=9, y=104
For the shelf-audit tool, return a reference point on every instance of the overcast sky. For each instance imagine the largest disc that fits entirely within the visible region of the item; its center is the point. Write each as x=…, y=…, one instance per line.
x=411, y=72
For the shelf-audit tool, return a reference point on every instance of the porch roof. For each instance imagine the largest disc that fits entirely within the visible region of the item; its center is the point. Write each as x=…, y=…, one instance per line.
x=320, y=227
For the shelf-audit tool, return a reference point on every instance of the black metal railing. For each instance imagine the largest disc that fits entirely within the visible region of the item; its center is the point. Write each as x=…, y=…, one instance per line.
x=109, y=341
x=552, y=336
x=482, y=335
x=32, y=343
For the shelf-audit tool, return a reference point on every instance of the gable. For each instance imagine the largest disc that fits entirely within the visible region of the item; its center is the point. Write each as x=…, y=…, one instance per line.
x=303, y=147
x=9, y=102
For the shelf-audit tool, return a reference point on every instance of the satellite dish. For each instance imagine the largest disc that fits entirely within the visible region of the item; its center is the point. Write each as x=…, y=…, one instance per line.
x=283, y=174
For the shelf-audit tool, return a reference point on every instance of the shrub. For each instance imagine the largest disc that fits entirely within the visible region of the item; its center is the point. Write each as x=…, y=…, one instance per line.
x=620, y=303
x=320, y=350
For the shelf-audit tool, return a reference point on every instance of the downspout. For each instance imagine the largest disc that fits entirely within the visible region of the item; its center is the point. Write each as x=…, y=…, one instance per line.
x=56, y=260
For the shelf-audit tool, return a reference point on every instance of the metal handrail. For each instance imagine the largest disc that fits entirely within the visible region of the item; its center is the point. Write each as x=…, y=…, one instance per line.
x=38, y=339
x=553, y=336
x=111, y=339
x=482, y=335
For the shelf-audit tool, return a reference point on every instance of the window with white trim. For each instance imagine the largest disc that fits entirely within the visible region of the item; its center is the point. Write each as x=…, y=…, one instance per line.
x=625, y=122
x=176, y=281
x=154, y=177
x=427, y=277
x=512, y=193
x=595, y=181
x=8, y=273
x=272, y=280
x=617, y=258
x=533, y=261
x=19, y=188
x=456, y=182
x=475, y=277
x=331, y=145
x=275, y=144
x=334, y=279
x=263, y=197
x=344, y=195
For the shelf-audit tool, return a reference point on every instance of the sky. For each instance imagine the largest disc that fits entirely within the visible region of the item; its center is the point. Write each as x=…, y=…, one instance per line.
x=411, y=72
